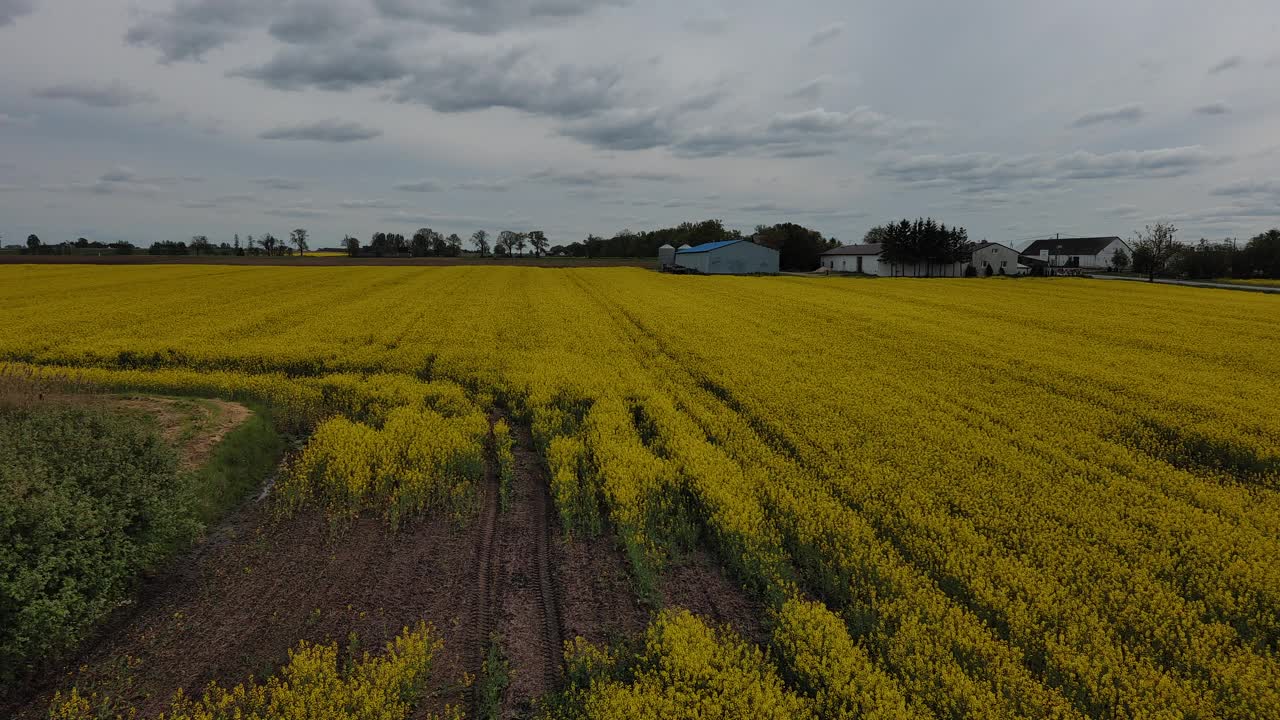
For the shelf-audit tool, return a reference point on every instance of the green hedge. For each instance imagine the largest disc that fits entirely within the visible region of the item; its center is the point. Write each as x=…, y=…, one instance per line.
x=88, y=500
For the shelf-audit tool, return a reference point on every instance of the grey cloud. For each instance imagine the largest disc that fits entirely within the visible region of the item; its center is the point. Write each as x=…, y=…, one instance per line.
x=191, y=28
x=827, y=33
x=803, y=134
x=1124, y=113
x=978, y=171
x=120, y=173
x=512, y=79
x=592, y=178
x=112, y=95
x=327, y=68
x=298, y=211
x=484, y=185
x=624, y=129
x=1167, y=162
x=1217, y=108
x=427, y=219
x=200, y=204
x=312, y=21
x=811, y=90
x=277, y=183
x=1230, y=63
x=11, y=10
x=376, y=204
x=1123, y=210
x=713, y=24
x=1241, y=188
x=421, y=186
x=330, y=131
x=486, y=17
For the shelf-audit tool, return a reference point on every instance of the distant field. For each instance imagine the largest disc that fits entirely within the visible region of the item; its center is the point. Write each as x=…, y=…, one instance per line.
x=314, y=260
x=949, y=498
x=1262, y=283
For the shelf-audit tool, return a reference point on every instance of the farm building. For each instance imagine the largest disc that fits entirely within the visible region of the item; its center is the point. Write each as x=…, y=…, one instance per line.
x=1002, y=259
x=853, y=259
x=867, y=259
x=1093, y=253
x=728, y=257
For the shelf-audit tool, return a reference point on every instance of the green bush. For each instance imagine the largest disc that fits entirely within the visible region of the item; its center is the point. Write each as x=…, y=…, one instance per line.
x=88, y=500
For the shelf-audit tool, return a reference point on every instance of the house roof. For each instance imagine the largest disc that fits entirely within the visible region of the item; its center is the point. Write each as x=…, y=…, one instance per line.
x=868, y=249
x=1030, y=260
x=1070, y=246
x=984, y=245
x=707, y=247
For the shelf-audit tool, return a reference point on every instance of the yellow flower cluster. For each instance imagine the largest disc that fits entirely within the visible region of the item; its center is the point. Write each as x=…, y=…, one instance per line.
x=419, y=459
x=688, y=670
x=1025, y=498
x=310, y=686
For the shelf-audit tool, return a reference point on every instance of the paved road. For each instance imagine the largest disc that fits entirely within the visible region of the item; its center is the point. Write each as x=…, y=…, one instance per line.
x=1197, y=283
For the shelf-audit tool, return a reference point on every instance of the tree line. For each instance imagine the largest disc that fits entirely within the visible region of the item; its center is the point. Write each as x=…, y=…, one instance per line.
x=1156, y=251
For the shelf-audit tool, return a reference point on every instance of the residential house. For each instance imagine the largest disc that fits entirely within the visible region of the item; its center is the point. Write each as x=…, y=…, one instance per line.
x=1092, y=253
x=1002, y=259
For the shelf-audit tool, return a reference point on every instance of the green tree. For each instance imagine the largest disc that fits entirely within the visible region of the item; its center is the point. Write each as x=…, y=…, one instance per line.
x=924, y=241
x=1154, y=248
x=1120, y=261
x=33, y=242
x=538, y=240
x=1263, y=254
x=352, y=245
x=299, y=239
x=453, y=245
x=799, y=248
x=420, y=245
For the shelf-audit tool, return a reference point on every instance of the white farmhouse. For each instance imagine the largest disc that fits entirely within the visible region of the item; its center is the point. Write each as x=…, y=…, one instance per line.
x=1092, y=253
x=728, y=257
x=1002, y=259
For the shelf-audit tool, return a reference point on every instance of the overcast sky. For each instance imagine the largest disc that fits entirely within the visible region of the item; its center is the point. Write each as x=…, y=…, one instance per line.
x=159, y=119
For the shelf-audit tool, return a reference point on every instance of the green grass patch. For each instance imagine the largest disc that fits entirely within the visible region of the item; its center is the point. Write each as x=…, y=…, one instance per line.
x=240, y=464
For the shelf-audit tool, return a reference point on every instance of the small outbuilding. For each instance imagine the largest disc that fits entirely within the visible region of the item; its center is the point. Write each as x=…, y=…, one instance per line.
x=728, y=257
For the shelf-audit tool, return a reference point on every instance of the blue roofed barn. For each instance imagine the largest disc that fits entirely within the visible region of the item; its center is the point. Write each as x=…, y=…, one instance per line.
x=729, y=257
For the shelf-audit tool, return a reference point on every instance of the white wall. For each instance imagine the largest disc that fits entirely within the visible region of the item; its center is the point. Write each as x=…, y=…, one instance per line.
x=996, y=256
x=849, y=263
x=923, y=270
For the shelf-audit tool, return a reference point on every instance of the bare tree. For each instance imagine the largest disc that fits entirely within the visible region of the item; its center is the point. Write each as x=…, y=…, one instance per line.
x=199, y=242
x=1153, y=249
x=521, y=240
x=269, y=243
x=453, y=245
x=299, y=239
x=352, y=245
x=480, y=239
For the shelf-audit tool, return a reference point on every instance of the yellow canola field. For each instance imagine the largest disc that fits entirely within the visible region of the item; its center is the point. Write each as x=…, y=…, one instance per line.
x=961, y=498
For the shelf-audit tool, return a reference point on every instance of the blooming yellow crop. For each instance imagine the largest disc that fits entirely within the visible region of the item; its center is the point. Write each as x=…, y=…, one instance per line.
x=1015, y=498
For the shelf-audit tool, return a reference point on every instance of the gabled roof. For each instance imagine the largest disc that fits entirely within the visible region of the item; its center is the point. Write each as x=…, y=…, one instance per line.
x=984, y=245
x=707, y=247
x=868, y=249
x=1070, y=246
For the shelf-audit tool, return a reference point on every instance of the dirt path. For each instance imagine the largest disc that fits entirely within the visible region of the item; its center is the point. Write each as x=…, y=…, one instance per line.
x=248, y=595
x=529, y=619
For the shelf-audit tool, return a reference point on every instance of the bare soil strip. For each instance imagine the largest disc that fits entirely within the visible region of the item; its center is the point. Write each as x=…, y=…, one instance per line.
x=485, y=593
x=530, y=616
